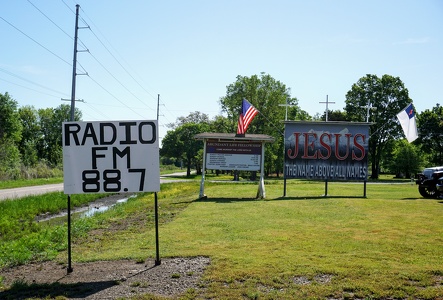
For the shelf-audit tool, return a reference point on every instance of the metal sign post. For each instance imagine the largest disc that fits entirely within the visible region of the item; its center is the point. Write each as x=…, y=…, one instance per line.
x=69, y=269
x=202, y=183
x=261, y=194
x=157, y=246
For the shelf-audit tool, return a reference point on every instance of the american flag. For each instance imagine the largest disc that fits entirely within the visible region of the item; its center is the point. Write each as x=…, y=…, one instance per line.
x=248, y=113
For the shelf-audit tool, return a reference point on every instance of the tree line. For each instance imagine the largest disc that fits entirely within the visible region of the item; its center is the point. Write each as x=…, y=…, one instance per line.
x=31, y=138
x=384, y=96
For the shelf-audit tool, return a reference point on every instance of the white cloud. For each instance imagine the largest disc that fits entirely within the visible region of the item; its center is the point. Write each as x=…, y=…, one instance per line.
x=410, y=41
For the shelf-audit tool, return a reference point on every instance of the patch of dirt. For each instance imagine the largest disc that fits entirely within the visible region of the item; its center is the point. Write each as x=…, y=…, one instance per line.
x=319, y=279
x=103, y=279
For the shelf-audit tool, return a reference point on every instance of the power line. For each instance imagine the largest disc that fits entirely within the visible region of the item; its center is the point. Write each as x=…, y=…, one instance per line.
x=29, y=81
x=10, y=24
x=127, y=72
x=102, y=65
x=113, y=96
x=118, y=80
x=47, y=49
x=96, y=110
x=68, y=7
x=51, y=20
x=84, y=70
x=107, y=70
x=28, y=88
x=136, y=111
x=121, y=65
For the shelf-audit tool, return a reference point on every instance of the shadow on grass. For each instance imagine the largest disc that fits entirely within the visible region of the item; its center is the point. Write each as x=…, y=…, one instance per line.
x=22, y=290
x=233, y=200
x=347, y=197
x=318, y=197
x=226, y=200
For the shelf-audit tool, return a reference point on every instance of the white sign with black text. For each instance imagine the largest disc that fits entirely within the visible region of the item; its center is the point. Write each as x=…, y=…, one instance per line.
x=112, y=156
x=233, y=155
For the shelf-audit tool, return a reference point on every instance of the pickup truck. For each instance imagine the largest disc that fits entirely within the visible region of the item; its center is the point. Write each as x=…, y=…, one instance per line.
x=430, y=182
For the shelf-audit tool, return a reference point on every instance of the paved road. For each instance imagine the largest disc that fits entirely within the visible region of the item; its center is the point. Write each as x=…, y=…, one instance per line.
x=30, y=190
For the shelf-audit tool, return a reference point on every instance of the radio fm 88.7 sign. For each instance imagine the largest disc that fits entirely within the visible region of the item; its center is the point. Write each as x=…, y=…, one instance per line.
x=116, y=156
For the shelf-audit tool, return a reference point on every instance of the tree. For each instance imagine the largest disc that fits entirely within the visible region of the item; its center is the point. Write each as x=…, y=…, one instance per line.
x=406, y=159
x=9, y=160
x=194, y=117
x=430, y=125
x=388, y=96
x=220, y=124
x=50, y=121
x=10, y=135
x=31, y=135
x=180, y=143
x=269, y=96
x=334, y=115
x=10, y=126
x=296, y=113
x=264, y=93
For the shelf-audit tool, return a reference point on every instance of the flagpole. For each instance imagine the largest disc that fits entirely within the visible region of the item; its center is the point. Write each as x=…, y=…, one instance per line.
x=275, y=127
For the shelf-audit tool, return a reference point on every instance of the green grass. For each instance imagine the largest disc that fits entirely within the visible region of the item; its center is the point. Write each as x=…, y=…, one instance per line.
x=303, y=246
x=22, y=239
x=375, y=247
x=387, y=245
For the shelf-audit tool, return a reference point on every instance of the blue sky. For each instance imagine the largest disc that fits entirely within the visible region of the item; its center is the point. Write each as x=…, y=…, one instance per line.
x=189, y=51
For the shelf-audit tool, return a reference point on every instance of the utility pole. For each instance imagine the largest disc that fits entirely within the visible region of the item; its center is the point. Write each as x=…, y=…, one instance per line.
x=74, y=65
x=158, y=105
x=74, y=75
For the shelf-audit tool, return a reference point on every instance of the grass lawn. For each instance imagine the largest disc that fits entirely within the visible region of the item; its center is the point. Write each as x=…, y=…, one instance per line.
x=386, y=246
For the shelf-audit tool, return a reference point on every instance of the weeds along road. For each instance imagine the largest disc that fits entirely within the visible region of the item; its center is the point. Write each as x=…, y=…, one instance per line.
x=16, y=193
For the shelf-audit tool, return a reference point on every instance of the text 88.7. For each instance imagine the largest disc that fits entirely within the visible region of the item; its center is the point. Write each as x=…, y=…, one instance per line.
x=109, y=180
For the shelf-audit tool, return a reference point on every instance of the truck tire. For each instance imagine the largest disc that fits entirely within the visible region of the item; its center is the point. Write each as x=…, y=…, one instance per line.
x=428, y=192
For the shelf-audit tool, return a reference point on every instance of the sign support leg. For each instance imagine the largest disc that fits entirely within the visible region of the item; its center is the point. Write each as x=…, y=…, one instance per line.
x=157, y=248
x=202, y=183
x=326, y=188
x=364, y=189
x=284, y=186
x=284, y=159
x=261, y=194
x=69, y=270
